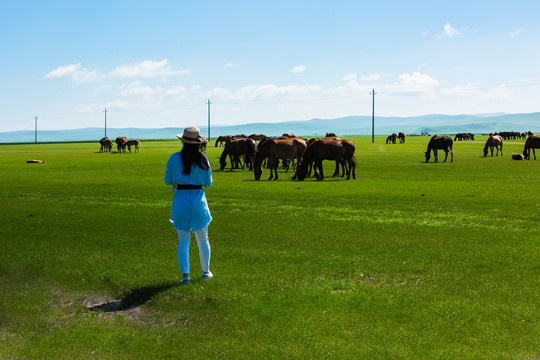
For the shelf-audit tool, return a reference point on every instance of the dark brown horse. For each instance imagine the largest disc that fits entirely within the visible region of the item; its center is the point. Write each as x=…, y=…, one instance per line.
x=257, y=137
x=121, y=143
x=391, y=139
x=275, y=150
x=106, y=145
x=440, y=142
x=494, y=141
x=401, y=137
x=235, y=149
x=532, y=142
x=133, y=142
x=340, y=150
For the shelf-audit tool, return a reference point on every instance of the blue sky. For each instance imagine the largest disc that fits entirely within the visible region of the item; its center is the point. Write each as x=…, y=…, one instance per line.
x=155, y=64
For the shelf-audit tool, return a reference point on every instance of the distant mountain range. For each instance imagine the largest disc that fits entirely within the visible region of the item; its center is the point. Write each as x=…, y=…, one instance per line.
x=351, y=125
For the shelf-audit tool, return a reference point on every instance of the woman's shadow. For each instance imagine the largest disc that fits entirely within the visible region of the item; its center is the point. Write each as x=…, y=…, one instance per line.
x=133, y=298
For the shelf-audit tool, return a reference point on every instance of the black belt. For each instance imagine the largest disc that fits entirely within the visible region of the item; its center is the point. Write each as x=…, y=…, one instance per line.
x=188, y=187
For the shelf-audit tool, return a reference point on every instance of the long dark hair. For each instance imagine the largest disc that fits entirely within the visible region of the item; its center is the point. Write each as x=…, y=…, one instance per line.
x=191, y=155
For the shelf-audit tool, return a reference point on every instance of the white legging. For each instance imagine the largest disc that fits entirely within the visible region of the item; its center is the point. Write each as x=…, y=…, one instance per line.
x=184, y=238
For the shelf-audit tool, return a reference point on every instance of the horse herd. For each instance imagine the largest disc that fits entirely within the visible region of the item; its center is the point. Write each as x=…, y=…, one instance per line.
x=121, y=143
x=495, y=141
x=304, y=155
x=307, y=155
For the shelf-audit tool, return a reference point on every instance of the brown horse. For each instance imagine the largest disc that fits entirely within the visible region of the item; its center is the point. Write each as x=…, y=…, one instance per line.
x=289, y=135
x=133, y=142
x=330, y=134
x=235, y=149
x=440, y=142
x=121, y=143
x=391, y=138
x=275, y=150
x=401, y=137
x=106, y=145
x=257, y=137
x=340, y=150
x=532, y=142
x=494, y=141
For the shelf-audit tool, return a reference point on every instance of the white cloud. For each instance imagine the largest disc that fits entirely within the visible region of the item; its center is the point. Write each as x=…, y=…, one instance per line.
x=299, y=69
x=514, y=33
x=350, y=76
x=415, y=82
x=425, y=33
x=230, y=64
x=63, y=71
x=147, y=69
x=449, y=31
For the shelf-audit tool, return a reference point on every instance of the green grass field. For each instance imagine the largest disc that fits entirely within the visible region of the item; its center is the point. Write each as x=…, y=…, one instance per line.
x=411, y=260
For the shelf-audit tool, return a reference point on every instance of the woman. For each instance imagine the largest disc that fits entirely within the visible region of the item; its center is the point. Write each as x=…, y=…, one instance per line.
x=187, y=171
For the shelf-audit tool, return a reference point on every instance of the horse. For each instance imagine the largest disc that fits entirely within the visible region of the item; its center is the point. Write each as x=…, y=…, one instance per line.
x=532, y=142
x=330, y=134
x=494, y=141
x=440, y=142
x=289, y=135
x=106, y=145
x=236, y=148
x=221, y=140
x=401, y=137
x=518, y=156
x=464, y=136
x=276, y=149
x=133, y=142
x=340, y=150
x=391, y=138
x=121, y=143
x=257, y=137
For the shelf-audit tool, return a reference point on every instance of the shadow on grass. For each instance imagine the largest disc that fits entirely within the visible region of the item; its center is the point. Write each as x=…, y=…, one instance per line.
x=133, y=298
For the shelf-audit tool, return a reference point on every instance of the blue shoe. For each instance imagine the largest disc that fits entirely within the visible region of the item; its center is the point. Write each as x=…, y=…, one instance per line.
x=207, y=276
x=185, y=280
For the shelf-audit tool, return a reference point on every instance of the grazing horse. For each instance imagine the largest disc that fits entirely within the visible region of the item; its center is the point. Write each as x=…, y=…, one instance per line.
x=391, y=138
x=440, y=142
x=340, y=150
x=401, y=137
x=289, y=135
x=121, y=143
x=494, y=141
x=236, y=148
x=276, y=149
x=329, y=134
x=221, y=140
x=106, y=145
x=532, y=142
x=133, y=142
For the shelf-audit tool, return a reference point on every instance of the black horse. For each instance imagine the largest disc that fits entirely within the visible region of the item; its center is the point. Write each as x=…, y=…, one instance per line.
x=440, y=142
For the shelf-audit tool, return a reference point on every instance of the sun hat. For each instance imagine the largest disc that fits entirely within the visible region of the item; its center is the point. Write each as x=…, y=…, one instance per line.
x=192, y=135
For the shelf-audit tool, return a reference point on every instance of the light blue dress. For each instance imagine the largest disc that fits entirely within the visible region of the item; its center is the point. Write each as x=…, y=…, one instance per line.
x=189, y=209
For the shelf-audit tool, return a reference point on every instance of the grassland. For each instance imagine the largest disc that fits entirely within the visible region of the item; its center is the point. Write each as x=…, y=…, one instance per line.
x=411, y=260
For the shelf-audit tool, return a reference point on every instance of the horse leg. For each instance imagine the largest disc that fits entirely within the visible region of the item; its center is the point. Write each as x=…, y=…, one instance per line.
x=321, y=174
x=336, y=172
x=534, y=153
x=435, y=154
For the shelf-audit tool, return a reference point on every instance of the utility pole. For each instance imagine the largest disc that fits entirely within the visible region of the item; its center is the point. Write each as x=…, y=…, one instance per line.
x=208, y=119
x=36, y=131
x=373, y=116
x=105, y=122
